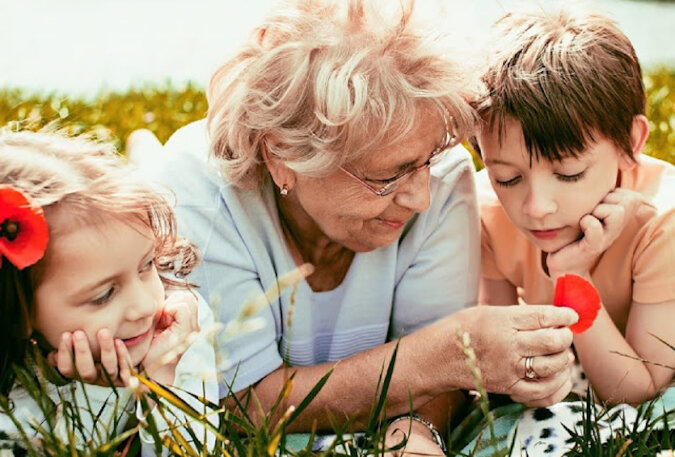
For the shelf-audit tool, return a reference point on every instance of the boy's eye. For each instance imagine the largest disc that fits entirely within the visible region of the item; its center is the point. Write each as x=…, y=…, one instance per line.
x=571, y=178
x=105, y=297
x=508, y=182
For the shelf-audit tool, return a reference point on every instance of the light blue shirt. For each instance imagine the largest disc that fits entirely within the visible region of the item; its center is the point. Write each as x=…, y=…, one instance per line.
x=432, y=271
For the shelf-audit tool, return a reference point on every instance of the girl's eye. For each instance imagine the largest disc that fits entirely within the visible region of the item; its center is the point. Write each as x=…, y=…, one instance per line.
x=508, y=182
x=147, y=266
x=571, y=178
x=105, y=298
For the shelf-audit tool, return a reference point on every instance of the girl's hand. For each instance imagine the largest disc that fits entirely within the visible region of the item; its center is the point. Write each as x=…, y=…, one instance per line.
x=600, y=229
x=177, y=322
x=74, y=358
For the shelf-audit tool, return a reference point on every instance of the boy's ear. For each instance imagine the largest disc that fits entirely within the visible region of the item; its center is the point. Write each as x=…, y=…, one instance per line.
x=638, y=137
x=281, y=174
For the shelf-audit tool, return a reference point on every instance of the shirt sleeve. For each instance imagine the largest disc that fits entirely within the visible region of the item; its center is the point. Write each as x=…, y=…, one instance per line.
x=439, y=262
x=654, y=261
x=228, y=275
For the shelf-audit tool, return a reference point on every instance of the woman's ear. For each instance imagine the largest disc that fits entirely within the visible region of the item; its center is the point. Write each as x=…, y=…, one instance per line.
x=638, y=137
x=281, y=174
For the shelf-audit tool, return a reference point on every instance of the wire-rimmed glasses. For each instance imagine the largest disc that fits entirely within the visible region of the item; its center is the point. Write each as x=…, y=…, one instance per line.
x=391, y=184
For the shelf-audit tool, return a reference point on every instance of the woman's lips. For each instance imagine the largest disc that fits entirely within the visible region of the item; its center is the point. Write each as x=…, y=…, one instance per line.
x=130, y=342
x=546, y=234
x=394, y=224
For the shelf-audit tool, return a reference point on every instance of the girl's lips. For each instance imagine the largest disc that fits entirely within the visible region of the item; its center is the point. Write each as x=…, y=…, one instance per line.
x=130, y=342
x=546, y=234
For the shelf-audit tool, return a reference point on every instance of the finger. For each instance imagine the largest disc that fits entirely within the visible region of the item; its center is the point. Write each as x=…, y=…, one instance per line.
x=544, y=341
x=545, y=366
x=593, y=231
x=124, y=362
x=64, y=357
x=109, y=361
x=534, y=317
x=624, y=197
x=185, y=314
x=605, y=211
x=84, y=359
x=542, y=390
x=556, y=397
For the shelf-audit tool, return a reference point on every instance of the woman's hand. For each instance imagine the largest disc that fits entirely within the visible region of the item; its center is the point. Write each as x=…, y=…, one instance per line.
x=600, y=229
x=177, y=323
x=419, y=439
x=503, y=337
x=74, y=358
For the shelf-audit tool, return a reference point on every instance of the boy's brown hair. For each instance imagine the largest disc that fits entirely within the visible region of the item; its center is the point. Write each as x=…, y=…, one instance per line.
x=566, y=76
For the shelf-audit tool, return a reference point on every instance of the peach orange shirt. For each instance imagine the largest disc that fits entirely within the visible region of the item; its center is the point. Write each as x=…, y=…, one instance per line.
x=638, y=267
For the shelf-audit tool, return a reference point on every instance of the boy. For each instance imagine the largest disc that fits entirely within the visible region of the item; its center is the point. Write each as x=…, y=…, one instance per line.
x=564, y=128
x=566, y=190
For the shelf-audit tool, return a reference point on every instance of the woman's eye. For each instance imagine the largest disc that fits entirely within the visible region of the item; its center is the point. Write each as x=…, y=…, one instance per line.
x=382, y=182
x=508, y=182
x=571, y=178
x=103, y=299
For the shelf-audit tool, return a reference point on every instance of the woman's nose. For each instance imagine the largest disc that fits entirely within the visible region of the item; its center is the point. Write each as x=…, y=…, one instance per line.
x=414, y=193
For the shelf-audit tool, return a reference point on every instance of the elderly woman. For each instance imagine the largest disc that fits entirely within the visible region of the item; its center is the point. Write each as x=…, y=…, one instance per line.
x=332, y=139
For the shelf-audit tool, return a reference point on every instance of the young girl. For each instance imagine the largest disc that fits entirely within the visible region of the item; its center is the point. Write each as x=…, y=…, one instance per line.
x=565, y=190
x=89, y=277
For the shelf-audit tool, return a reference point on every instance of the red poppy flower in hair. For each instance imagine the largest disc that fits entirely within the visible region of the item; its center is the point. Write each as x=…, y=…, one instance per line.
x=23, y=229
x=575, y=292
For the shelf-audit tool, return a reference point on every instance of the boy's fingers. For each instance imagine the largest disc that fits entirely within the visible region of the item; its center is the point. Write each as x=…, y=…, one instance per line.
x=606, y=210
x=593, y=231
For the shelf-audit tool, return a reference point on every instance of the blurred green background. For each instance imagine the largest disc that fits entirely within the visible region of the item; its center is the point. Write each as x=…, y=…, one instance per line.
x=113, y=115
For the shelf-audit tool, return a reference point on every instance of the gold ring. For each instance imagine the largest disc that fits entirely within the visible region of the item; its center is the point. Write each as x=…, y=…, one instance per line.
x=529, y=371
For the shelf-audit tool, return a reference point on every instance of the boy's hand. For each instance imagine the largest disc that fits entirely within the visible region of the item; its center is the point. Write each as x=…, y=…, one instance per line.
x=74, y=358
x=177, y=323
x=600, y=229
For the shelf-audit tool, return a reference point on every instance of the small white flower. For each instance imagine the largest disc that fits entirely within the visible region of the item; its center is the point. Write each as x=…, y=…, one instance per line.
x=666, y=453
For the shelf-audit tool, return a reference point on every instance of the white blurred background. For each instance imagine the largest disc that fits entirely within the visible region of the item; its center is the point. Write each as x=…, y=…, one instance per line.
x=80, y=47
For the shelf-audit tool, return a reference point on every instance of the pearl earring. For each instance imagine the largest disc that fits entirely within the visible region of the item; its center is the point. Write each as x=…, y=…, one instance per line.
x=284, y=190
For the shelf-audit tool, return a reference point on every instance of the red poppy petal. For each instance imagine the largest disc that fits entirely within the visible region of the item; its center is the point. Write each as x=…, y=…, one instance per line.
x=31, y=242
x=575, y=292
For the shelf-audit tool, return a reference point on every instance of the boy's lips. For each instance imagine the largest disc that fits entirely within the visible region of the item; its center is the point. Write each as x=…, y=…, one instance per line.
x=546, y=234
x=130, y=342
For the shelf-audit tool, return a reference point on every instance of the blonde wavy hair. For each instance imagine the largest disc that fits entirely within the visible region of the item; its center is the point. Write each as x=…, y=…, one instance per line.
x=566, y=74
x=88, y=183
x=324, y=82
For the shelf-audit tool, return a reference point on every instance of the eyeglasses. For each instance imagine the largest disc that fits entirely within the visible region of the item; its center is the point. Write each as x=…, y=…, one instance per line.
x=391, y=184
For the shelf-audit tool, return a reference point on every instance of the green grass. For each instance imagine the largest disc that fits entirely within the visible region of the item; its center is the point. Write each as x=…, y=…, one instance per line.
x=113, y=115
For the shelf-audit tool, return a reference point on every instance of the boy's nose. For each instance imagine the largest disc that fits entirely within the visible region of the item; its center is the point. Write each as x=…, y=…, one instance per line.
x=539, y=203
x=414, y=192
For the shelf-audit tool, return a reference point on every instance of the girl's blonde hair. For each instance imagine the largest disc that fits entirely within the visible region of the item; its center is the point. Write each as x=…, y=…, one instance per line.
x=324, y=82
x=88, y=183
